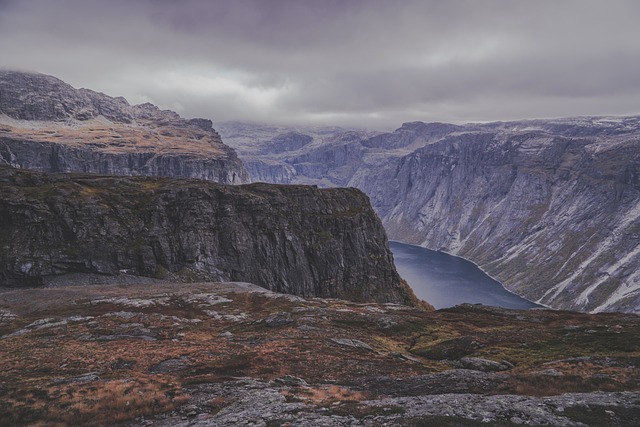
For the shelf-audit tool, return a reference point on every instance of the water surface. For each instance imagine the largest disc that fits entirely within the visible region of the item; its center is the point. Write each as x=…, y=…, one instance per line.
x=445, y=280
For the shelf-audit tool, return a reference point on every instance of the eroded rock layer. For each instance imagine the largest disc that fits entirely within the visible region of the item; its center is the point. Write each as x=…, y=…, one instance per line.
x=47, y=125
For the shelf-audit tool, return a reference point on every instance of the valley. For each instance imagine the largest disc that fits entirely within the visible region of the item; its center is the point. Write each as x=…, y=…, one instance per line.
x=446, y=280
x=550, y=208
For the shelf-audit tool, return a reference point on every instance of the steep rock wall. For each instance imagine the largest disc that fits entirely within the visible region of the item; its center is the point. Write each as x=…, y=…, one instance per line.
x=294, y=239
x=47, y=156
x=549, y=207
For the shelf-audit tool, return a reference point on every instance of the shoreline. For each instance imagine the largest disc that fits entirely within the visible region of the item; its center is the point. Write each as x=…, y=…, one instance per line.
x=541, y=306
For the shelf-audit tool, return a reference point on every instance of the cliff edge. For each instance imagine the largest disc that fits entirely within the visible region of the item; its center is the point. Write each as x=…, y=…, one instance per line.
x=292, y=239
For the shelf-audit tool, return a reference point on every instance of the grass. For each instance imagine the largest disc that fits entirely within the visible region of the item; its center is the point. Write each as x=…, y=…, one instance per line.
x=104, y=403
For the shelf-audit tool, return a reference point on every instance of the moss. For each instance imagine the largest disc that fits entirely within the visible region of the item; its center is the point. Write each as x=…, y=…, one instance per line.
x=161, y=272
x=562, y=345
x=412, y=299
x=453, y=421
x=603, y=416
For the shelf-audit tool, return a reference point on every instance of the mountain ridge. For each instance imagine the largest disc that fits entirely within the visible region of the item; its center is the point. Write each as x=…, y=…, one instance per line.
x=47, y=125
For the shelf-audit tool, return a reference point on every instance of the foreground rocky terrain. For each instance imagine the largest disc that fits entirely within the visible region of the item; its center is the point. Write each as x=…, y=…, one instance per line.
x=295, y=239
x=228, y=354
x=551, y=208
x=47, y=125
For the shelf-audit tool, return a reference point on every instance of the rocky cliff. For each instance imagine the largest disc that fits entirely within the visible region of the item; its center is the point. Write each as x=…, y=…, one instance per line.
x=293, y=239
x=47, y=125
x=551, y=208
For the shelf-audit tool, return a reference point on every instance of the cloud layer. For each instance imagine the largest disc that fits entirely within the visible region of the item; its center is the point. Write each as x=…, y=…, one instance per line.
x=338, y=62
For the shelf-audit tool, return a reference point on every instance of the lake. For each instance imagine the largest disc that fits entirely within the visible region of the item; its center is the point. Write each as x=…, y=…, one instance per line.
x=445, y=280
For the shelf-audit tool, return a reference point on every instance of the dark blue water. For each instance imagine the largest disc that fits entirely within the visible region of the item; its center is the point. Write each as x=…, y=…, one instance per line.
x=445, y=280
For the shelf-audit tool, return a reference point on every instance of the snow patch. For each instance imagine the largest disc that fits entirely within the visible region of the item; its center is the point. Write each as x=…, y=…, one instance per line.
x=631, y=217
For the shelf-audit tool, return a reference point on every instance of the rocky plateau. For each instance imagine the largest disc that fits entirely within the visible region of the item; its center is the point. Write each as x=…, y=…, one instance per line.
x=295, y=239
x=234, y=354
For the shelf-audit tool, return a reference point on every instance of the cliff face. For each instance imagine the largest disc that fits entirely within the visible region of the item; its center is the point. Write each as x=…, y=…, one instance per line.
x=555, y=219
x=47, y=125
x=550, y=208
x=293, y=239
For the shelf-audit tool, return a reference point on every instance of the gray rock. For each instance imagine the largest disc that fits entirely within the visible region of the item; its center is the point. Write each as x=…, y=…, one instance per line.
x=514, y=197
x=551, y=373
x=291, y=381
x=348, y=342
x=84, y=378
x=479, y=364
x=47, y=100
x=451, y=349
x=260, y=403
x=170, y=365
x=279, y=319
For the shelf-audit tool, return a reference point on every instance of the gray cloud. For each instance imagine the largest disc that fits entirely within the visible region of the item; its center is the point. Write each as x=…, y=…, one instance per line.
x=349, y=62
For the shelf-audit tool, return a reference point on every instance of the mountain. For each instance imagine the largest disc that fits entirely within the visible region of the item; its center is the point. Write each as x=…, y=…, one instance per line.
x=47, y=125
x=551, y=208
x=294, y=239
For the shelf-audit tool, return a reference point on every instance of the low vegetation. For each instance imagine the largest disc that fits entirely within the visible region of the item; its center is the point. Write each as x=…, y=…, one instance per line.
x=102, y=355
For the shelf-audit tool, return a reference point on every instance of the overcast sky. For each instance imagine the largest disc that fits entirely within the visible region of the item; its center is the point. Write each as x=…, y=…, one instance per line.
x=366, y=63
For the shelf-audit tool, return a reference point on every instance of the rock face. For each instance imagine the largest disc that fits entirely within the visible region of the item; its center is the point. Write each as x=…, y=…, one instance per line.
x=47, y=125
x=554, y=217
x=292, y=239
x=549, y=208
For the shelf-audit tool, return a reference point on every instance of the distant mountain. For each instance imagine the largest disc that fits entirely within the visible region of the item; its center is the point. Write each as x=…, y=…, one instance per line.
x=551, y=208
x=47, y=125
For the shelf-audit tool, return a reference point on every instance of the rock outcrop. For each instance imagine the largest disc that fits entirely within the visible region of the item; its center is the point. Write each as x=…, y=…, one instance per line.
x=47, y=125
x=293, y=239
x=549, y=207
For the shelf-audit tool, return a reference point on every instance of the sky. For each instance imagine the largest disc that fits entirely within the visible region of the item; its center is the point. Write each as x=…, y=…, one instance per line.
x=358, y=63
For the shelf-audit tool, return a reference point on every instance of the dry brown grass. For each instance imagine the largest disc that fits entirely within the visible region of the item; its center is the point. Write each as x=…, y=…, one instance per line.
x=95, y=403
x=325, y=395
x=118, y=138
